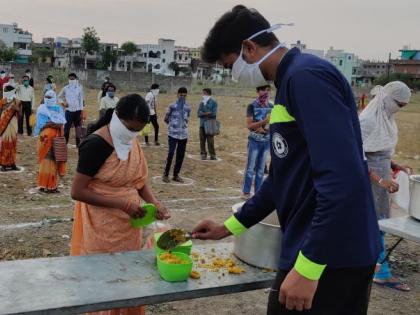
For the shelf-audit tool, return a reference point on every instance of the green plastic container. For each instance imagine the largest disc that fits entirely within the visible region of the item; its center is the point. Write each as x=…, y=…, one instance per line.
x=183, y=248
x=175, y=272
x=149, y=218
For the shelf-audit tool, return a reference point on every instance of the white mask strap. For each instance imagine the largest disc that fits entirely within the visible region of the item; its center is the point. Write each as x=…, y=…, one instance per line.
x=271, y=29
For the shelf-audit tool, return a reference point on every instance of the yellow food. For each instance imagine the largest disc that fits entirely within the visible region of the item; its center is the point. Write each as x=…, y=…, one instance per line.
x=195, y=275
x=178, y=235
x=172, y=259
x=235, y=270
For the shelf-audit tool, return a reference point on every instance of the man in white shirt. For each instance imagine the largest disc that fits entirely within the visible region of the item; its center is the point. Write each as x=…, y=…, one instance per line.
x=71, y=96
x=26, y=95
x=109, y=100
x=151, y=98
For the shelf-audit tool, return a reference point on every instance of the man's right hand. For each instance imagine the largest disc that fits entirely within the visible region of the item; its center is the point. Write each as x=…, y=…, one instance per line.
x=389, y=185
x=210, y=230
x=135, y=211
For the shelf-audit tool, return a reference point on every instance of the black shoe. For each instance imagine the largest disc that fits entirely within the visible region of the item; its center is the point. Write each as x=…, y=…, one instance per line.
x=3, y=169
x=213, y=158
x=177, y=179
x=157, y=144
x=15, y=168
x=165, y=179
x=204, y=157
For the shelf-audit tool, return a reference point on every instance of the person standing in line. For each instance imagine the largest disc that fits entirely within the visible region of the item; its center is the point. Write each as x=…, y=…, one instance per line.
x=257, y=121
x=151, y=99
x=109, y=100
x=49, y=85
x=71, y=96
x=103, y=90
x=26, y=96
x=207, y=110
x=11, y=81
x=177, y=118
x=319, y=180
x=28, y=73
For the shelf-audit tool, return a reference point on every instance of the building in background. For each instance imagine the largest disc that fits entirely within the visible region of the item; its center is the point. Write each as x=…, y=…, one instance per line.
x=317, y=52
x=14, y=37
x=409, y=63
x=366, y=71
x=344, y=61
x=182, y=57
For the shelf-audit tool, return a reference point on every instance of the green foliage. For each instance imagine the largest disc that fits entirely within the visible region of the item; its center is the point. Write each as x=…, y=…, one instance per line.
x=403, y=77
x=174, y=66
x=41, y=54
x=108, y=57
x=8, y=54
x=90, y=40
x=59, y=75
x=129, y=48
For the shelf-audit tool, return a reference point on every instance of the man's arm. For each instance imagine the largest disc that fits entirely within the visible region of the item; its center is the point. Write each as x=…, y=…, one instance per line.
x=62, y=95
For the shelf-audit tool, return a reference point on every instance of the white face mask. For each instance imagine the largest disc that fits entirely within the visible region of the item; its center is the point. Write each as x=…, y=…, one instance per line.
x=250, y=74
x=155, y=92
x=206, y=98
x=3, y=75
x=10, y=96
x=72, y=82
x=12, y=80
x=121, y=137
x=49, y=101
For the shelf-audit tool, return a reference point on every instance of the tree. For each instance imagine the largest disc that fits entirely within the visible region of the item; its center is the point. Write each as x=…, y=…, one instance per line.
x=90, y=42
x=174, y=66
x=41, y=54
x=109, y=58
x=8, y=54
x=129, y=48
x=403, y=77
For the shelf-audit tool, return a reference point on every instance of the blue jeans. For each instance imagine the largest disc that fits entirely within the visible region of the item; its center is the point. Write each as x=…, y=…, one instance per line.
x=385, y=272
x=257, y=154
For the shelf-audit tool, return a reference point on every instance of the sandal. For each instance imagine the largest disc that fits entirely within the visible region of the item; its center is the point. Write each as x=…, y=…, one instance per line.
x=397, y=285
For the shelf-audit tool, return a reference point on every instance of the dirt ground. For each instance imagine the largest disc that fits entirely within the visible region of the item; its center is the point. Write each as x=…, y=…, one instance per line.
x=36, y=225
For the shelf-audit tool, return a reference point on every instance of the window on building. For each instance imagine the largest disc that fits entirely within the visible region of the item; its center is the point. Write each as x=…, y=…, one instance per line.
x=163, y=60
x=349, y=57
x=340, y=62
x=186, y=58
x=157, y=67
x=164, y=51
x=5, y=29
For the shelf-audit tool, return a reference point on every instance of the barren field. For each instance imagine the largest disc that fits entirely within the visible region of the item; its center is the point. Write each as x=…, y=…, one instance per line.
x=37, y=225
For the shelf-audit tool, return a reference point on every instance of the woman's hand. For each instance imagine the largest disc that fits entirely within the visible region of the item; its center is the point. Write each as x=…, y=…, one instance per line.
x=162, y=212
x=134, y=211
x=389, y=185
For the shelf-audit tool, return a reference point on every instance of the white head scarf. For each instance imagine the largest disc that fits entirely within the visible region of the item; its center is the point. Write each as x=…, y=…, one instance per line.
x=377, y=120
x=122, y=138
x=54, y=116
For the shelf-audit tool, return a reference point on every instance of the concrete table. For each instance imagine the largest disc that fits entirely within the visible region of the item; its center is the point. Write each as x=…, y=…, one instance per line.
x=404, y=227
x=69, y=285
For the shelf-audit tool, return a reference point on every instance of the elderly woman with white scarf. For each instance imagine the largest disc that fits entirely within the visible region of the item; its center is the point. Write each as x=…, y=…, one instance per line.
x=380, y=137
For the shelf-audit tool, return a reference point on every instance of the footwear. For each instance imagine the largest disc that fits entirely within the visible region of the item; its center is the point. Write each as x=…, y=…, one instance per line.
x=15, y=168
x=204, y=157
x=177, y=179
x=165, y=179
x=157, y=144
x=246, y=196
x=3, y=169
x=213, y=158
x=148, y=144
x=397, y=285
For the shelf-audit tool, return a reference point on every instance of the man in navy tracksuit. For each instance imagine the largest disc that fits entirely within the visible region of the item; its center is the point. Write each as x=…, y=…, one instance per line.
x=318, y=179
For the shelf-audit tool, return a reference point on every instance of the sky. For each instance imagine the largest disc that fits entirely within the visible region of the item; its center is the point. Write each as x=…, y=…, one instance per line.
x=369, y=28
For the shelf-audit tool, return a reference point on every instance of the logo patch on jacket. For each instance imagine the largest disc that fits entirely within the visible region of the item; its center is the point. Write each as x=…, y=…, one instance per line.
x=279, y=145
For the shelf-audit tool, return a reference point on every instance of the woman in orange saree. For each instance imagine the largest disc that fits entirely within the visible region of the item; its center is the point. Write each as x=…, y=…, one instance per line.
x=49, y=125
x=110, y=184
x=10, y=109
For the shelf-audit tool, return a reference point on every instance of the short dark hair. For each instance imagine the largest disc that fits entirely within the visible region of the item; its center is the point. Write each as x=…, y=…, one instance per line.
x=25, y=76
x=73, y=75
x=28, y=70
x=263, y=87
x=207, y=90
x=182, y=90
x=110, y=85
x=232, y=29
x=154, y=86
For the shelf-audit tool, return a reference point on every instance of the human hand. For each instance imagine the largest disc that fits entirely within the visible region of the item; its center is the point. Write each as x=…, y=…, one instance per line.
x=135, y=211
x=210, y=230
x=406, y=169
x=297, y=292
x=389, y=185
x=162, y=212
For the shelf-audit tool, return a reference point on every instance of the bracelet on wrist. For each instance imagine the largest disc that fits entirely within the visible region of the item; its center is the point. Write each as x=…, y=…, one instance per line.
x=380, y=181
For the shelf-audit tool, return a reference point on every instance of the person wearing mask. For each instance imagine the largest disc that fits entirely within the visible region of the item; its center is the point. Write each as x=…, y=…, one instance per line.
x=49, y=85
x=26, y=95
x=50, y=120
x=151, y=99
x=3, y=80
x=319, y=180
x=10, y=109
x=11, y=81
x=71, y=96
x=177, y=118
x=109, y=100
x=257, y=121
x=110, y=183
x=207, y=110
x=28, y=73
x=380, y=137
x=104, y=89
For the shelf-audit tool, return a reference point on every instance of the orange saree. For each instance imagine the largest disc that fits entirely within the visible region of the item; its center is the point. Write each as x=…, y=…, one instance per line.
x=105, y=230
x=49, y=169
x=8, y=134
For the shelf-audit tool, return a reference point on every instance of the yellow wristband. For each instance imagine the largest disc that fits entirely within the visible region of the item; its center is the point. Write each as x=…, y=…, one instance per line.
x=234, y=226
x=307, y=268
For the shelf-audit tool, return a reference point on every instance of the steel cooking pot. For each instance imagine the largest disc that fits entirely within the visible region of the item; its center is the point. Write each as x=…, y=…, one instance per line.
x=260, y=245
x=414, y=208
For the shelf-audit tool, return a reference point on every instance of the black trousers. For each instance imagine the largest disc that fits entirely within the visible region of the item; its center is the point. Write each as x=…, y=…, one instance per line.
x=26, y=113
x=73, y=119
x=155, y=124
x=180, y=146
x=210, y=144
x=340, y=292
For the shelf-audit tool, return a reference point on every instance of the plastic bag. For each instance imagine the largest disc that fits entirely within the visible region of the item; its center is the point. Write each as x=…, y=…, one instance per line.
x=145, y=131
x=32, y=120
x=402, y=196
x=156, y=227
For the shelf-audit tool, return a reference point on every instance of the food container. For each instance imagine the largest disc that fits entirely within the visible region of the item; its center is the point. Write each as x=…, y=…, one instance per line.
x=148, y=218
x=414, y=208
x=175, y=272
x=183, y=248
x=260, y=245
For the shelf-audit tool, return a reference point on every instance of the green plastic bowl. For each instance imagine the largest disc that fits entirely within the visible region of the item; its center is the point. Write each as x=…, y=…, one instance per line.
x=175, y=272
x=149, y=218
x=184, y=248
